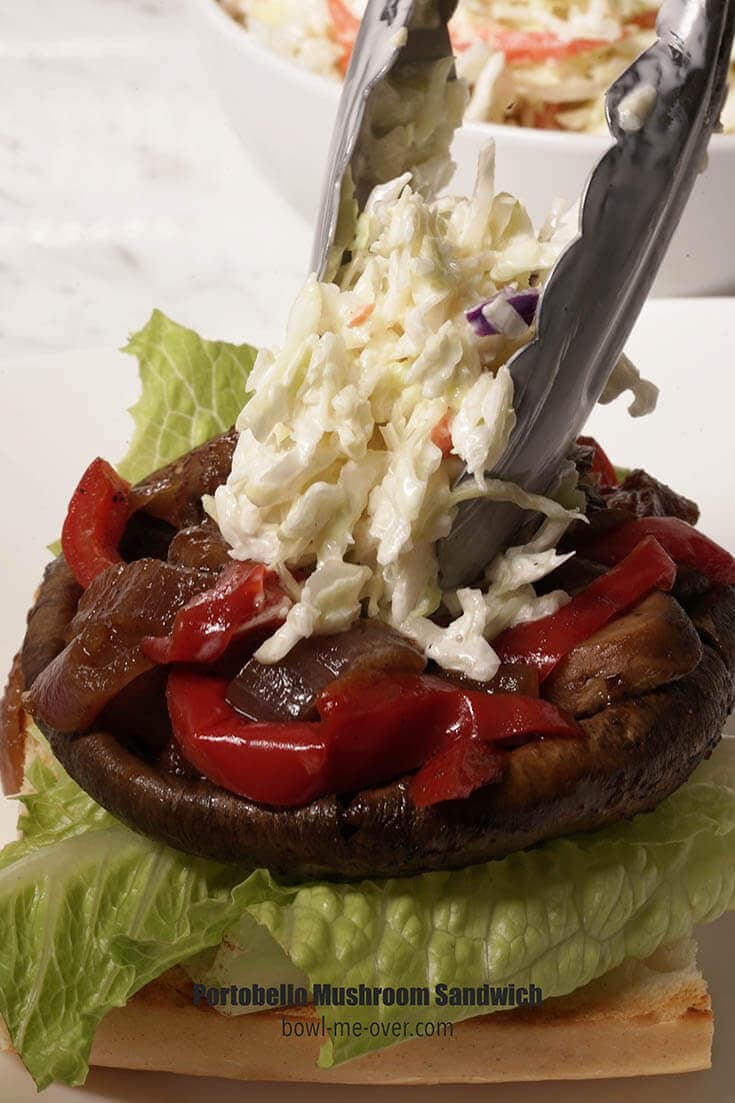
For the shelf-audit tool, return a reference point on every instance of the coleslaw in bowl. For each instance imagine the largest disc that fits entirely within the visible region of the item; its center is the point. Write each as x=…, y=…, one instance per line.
x=533, y=63
x=284, y=114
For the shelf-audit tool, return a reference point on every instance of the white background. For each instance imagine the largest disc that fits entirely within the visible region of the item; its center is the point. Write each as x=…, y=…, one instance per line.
x=121, y=189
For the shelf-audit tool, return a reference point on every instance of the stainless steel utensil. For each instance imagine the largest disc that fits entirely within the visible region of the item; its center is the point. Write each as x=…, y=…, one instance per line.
x=661, y=112
x=631, y=207
x=393, y=33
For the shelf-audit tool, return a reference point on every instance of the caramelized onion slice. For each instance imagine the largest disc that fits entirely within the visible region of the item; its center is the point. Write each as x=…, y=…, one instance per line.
x=103, y=654
x=288, y=690
x=510, y=678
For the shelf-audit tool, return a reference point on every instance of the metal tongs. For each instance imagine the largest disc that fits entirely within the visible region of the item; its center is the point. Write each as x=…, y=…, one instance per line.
x=629, y=212
x=393, y=34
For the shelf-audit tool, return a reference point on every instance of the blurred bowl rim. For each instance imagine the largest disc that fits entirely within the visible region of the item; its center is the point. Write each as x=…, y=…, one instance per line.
x=248, y=42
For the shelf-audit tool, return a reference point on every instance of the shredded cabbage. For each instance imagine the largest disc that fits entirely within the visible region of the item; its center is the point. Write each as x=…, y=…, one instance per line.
x=339, y=468
x=539, y=63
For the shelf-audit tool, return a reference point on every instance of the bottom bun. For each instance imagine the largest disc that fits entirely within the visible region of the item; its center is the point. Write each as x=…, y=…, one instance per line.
x=642, y=1019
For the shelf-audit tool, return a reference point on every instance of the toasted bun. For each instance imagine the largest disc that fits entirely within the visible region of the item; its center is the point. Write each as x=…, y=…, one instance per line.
x=644, y=1018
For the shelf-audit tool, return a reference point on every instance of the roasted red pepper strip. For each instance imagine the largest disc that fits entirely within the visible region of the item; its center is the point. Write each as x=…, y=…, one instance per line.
x=456, y=772
x=371, y=731
x=601, y=465
x=682, y=541
x=271, y=763
x=246, y=596
x=543, y=643
x=95, y=521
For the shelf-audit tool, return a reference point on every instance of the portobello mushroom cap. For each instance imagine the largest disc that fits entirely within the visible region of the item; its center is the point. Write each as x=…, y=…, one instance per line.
x=636, y=753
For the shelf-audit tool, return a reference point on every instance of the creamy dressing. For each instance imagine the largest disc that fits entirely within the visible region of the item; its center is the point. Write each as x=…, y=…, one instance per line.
x=635, y=108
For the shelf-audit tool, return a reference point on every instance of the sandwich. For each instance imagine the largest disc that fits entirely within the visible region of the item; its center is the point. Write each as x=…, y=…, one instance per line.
x=290, y=807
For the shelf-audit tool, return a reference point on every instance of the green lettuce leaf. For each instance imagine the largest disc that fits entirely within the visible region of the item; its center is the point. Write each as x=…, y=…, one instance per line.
x=192, y=390
x=55, y=809
x=90, y=912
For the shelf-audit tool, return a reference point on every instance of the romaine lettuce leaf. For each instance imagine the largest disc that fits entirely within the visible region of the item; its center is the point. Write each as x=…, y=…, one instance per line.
x=55, y=807
x=191, y=390
x=90, y=912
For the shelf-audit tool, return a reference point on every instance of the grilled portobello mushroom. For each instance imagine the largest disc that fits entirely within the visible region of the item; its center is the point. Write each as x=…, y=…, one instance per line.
x=653, y=689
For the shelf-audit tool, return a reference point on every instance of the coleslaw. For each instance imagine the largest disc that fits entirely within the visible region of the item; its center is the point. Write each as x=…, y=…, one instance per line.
x=531, y=63
x=356, y=430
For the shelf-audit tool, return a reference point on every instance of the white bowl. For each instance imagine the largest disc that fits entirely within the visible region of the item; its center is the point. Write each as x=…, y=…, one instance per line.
x=284, y=115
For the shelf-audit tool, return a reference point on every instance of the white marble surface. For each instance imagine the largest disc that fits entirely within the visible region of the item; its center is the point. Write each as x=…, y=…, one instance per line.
x=122, y=187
